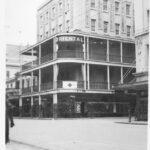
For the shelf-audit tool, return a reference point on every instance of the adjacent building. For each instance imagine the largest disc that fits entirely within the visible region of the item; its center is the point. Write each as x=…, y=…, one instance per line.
x=84, y=48
x=140, y=84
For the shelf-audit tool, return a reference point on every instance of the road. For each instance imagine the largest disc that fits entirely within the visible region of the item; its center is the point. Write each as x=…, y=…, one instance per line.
x=80, y=134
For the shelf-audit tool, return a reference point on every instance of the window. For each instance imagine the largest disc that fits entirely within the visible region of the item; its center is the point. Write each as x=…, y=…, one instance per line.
x=116, y=7
x=105, y=4
x=105, y=27
x=53, y=12
x=41, y=19
x=60, y=28
x=128, y=31
x=47, y=34
x=47, y=16
x=93, y=3
x=11, y=85
x=67, y=26
x=127, y=9
x=67, y=5
x=7, y=74
x=60, y=8
x=147, y=18
x=53, y=30
x=93, y=21
x=117, y=28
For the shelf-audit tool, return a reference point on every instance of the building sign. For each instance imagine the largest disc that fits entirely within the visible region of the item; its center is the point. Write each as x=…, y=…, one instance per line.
x=69, y=84
x=70, y=39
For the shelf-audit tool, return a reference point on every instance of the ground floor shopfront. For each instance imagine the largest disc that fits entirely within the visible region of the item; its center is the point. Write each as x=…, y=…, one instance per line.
x=70, y=105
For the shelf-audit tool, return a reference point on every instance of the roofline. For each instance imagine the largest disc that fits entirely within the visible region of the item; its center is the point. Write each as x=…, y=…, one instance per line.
x=44, y=4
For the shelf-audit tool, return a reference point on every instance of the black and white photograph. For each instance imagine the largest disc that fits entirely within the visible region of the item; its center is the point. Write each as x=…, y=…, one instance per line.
x=76, y=74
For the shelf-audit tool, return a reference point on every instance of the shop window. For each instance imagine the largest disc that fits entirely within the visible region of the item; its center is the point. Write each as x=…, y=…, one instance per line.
x=117, y=7
x=105, y=27
x=93, y=22
x=128, y=31
x=93, y=3
x=127, y=9
x=105, y=3
x=117, y=28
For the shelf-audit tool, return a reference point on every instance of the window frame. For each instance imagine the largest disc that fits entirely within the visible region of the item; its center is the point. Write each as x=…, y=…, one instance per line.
x=117, y=9
x=93, y=4
x=128, y=9
x=117, y=28
x=128, y=31
x=105, y=5
x=105, y=26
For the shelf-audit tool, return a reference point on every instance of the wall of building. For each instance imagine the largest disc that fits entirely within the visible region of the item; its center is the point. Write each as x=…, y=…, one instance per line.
x=74, y=15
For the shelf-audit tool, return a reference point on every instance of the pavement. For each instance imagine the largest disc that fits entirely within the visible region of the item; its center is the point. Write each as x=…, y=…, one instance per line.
x=78, y=134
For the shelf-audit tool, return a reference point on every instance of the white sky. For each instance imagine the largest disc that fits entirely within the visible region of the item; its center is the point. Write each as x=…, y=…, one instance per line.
x=20, y=21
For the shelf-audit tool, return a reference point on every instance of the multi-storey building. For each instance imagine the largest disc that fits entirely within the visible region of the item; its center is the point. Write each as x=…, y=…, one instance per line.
x=140, y=84
x=82, y=51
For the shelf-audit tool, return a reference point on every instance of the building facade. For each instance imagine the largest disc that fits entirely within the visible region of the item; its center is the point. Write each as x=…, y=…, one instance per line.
x=139, y=86
x=103, y=17
x=142, y=56
x=76, y=66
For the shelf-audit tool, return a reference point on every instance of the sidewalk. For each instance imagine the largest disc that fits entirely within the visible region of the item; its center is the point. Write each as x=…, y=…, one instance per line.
x=14, y=145
x=81, y=134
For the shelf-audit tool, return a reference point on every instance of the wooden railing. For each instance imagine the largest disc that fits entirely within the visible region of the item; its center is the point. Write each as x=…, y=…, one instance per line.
x=46, y=86
x=98, y=56
x=98, y=85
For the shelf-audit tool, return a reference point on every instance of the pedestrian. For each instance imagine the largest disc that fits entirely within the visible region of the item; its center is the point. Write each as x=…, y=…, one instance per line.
x=8, y=119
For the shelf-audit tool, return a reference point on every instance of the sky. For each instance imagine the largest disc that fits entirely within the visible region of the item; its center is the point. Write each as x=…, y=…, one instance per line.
x=20, y=21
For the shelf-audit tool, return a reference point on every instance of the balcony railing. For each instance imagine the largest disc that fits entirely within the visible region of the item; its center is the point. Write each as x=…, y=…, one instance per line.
x=128, y=59
x=46, y=58
x=27, y=66
x=98, y=85
x=98, y=56
x=35, y=88
x=26, y=90
x=114, y=58
x=46, y=86
x=35, y=63
x=70, y=54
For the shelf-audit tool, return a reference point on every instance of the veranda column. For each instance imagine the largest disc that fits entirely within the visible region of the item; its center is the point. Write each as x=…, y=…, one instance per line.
x=55, y=74
x=39, y=80
x=31, y=81
x=55, y=101
x=108, y=50
x=121, y=52
x=84, y=48
x=108, y=77
x=20, y=107
x=121, y=81
x=84, y=74
x=40, y=107
x=39, y=54
x=31, y=106
x=55, y=48
x=88, y=76
x=87, y=47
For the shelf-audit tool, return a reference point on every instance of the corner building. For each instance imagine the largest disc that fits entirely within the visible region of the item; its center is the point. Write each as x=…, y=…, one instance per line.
x=83, y=49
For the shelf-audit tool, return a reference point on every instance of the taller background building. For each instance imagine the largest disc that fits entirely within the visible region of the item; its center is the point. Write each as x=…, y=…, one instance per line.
x=103, y=17
x=84, y=47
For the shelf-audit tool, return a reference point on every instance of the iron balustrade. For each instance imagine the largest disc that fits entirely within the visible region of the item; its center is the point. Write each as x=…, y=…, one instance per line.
x=26, y=90
x=114, y=58
x=98, y=56
x=36, y=63
x=46, y=86
x=128, y=59
x=27, y=66
x=46, y=58
x=69, y=54
x=35, y=88
x=98, y=85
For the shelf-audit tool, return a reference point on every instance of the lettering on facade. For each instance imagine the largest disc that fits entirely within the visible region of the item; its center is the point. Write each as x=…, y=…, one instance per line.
x=70, y=39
